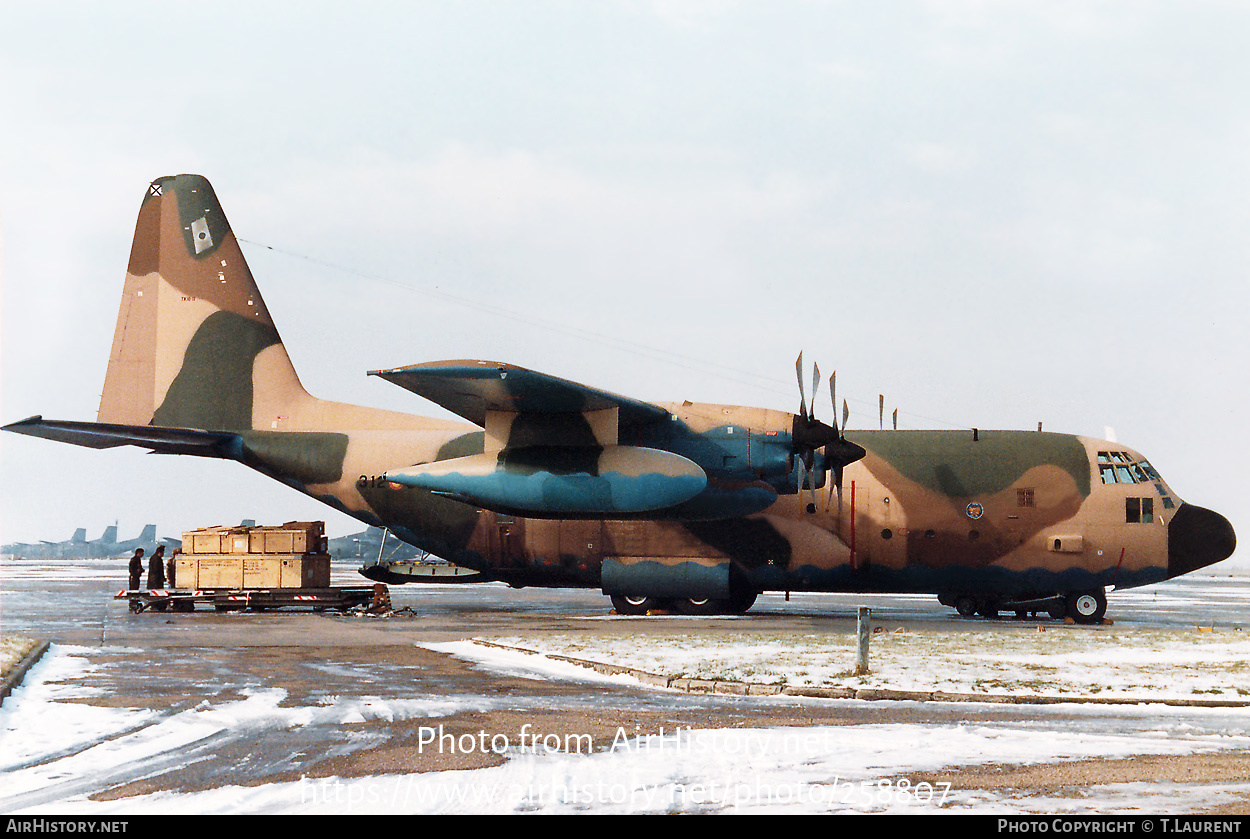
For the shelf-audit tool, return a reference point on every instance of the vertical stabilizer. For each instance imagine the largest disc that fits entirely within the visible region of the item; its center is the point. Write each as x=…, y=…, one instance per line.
x=194, y=345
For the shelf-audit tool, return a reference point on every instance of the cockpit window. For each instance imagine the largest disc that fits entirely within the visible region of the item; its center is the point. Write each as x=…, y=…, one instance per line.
x=1120, y=468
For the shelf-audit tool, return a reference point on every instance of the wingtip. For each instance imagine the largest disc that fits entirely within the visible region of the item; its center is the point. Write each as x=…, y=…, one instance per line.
x=37, y=418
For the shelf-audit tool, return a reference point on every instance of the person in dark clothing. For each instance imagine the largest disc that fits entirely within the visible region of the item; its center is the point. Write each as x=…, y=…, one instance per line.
x=156, y=569
x=136, y=569
x=169, y=568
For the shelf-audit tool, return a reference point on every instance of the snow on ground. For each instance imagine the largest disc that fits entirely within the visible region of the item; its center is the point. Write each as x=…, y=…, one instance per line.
x=55, y=753
x=841, y=769
x=1051, y=659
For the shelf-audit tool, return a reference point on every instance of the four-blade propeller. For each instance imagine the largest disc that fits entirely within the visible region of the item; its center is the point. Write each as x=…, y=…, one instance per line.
x=809, y=434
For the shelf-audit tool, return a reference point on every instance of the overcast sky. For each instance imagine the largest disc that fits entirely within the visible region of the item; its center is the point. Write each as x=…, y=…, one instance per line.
x=994, y=213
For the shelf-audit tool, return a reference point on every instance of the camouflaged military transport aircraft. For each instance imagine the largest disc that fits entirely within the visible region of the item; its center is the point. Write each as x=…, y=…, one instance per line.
x=685, y=506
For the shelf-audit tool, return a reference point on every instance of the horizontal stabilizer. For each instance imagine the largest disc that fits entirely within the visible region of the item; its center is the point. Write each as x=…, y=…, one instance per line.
x=472, y=388
x=99, y=435
x=556, y=481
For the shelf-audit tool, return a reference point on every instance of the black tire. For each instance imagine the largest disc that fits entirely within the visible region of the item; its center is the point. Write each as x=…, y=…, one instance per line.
x=702, y=606
x=988, y=609
x=634, y=604
x=1086, y=606
x=966, y=605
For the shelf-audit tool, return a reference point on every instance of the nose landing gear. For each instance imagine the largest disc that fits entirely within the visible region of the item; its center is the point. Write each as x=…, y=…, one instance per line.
x=1084, y=607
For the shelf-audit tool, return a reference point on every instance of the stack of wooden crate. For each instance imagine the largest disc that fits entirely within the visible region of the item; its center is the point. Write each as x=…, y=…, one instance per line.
x=292, y=555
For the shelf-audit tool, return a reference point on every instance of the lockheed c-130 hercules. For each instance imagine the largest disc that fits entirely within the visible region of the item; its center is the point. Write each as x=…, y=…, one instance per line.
x=692, y=507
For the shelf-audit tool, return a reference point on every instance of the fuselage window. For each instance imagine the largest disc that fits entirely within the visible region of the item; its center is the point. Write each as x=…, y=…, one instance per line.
x=1139, y=510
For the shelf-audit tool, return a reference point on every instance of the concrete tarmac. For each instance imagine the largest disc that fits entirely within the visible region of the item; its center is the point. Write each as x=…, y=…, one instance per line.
x=169, y=663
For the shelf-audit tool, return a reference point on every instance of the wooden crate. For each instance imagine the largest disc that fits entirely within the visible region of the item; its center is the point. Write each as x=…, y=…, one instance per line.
x=253, y=571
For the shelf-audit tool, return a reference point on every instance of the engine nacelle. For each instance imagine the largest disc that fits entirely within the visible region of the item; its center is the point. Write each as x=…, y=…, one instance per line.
x=558, y=481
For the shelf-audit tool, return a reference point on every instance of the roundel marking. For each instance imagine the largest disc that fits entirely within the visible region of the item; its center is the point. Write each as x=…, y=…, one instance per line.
x=975, y=510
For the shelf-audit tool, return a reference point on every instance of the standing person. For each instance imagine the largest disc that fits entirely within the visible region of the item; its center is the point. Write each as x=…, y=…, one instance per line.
x=170, y=566
x=156, y=569
x=136, y=569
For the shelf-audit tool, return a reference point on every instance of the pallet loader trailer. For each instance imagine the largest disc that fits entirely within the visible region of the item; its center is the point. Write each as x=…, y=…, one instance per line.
x=255, y=568
x=336, y=598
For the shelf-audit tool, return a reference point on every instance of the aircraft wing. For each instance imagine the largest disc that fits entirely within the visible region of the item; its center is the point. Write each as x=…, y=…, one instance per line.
x=552, y=447
x=471, y=388
x=99, y=435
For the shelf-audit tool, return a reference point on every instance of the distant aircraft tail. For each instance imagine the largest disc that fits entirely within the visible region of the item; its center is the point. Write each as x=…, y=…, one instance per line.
x=195, y=346
x=148, y=534
x=110, y=535
x=80, y=535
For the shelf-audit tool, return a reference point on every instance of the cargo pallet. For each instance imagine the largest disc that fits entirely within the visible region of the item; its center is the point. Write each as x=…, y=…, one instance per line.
x=256, y=600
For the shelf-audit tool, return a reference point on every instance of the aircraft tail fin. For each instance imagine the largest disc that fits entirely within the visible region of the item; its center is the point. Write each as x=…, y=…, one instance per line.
x=110, y=535
x=80, y=535
x=148, y=534
x=194, y=346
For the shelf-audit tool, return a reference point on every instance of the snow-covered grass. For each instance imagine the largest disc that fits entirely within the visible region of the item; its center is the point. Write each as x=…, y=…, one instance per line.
x=58, y=750
x=1054, y=660
x=13, y=648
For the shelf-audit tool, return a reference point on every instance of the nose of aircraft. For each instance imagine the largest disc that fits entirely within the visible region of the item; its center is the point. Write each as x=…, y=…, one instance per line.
x=1198, y=537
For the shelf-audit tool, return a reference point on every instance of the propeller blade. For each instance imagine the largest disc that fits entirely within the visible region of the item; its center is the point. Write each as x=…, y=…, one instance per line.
x=808, y=481
x=815, y=387
x=833, y=398
x=798, y=372
x=896, y=419
x=846, y=413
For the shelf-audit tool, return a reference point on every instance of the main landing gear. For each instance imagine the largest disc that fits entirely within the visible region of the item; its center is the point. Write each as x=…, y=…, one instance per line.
x=737, y=604
x=1086, y=607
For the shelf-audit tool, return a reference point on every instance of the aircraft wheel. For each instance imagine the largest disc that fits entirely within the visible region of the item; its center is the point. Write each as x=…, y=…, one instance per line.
x=988, y=609
x=701, y=606
x=1087, y=606
x=965, y=605
x=634, y=604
